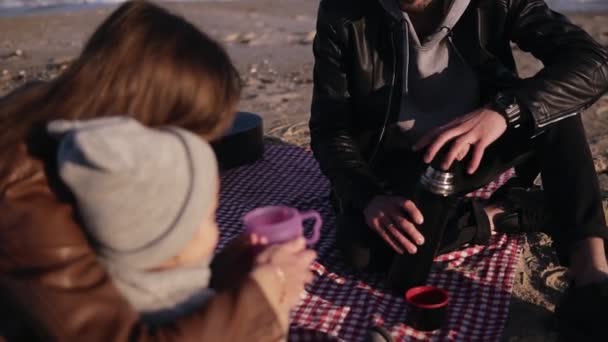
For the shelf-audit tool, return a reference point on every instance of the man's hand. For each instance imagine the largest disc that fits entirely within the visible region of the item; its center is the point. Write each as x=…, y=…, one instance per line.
x=475, y=130
x=393, y=219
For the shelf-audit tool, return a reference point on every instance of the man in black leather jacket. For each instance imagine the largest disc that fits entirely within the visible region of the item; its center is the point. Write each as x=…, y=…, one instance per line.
x=395, y=81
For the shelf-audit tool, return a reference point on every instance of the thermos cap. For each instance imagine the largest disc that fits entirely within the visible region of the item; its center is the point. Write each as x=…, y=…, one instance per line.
x=438, y=182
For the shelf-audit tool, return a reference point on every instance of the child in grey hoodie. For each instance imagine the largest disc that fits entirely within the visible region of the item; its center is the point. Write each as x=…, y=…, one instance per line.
x=147, y=198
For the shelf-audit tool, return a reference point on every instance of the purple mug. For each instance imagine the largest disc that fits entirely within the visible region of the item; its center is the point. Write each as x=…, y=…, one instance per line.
x=281, y=224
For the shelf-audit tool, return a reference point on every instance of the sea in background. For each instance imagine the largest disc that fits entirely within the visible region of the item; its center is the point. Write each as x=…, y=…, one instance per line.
x=52, y=3
x=23, y=6
x=18, y=7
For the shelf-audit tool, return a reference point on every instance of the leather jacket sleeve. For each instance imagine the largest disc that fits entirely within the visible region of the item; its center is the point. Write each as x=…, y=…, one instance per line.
x=53, y=279
x=575, y=72
x=332, y=141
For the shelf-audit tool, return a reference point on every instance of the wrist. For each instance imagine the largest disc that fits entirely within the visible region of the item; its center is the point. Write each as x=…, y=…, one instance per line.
x=271, y=278
x=506, y=105
x=364, y=202
x=266, y=278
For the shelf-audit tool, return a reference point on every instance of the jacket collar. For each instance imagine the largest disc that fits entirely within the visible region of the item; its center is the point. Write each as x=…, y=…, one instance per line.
x=392, y=9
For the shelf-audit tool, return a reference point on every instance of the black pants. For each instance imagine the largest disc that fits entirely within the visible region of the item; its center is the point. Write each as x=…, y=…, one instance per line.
x=561, y=155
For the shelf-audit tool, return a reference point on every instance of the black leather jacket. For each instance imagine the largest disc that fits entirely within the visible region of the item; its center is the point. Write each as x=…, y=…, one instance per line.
x=359, y=76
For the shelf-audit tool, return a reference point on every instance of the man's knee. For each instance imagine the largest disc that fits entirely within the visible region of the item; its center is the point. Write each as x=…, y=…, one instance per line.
x=350, y=240
x=361, y=247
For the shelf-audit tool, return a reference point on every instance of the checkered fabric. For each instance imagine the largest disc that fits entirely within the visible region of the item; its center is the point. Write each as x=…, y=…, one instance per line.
x=342, y=303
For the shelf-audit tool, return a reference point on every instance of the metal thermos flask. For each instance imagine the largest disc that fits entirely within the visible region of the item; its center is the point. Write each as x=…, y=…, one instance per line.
x=434, y=197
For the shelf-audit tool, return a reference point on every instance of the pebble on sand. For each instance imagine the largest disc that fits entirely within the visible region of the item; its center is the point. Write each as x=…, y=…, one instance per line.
x=5, y=75
x=21, y=75
x=310, y=37
x=243, y=38
x=61, y=60
x=301, y=17
x=16, y=53
x=232, y=37
x=266, y=80
x=247, y=38
x=600, y=163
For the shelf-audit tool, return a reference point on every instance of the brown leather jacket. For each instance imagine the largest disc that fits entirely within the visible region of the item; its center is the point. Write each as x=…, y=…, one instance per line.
x=54, y=289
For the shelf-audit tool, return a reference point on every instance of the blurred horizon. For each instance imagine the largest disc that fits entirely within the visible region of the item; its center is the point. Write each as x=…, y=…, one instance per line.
x=32, y=4
x=560, y=5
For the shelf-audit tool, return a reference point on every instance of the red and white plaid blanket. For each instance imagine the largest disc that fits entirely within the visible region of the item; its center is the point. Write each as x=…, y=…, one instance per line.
x=341, y=304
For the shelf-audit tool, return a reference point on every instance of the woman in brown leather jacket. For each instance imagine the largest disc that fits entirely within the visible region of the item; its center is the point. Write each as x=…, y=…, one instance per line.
x=159, y=69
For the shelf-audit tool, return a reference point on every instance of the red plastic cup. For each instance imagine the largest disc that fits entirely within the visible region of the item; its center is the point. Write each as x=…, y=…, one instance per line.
x=428, y=307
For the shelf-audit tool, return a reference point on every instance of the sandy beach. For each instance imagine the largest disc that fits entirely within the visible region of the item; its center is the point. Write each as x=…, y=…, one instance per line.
x=270, y=41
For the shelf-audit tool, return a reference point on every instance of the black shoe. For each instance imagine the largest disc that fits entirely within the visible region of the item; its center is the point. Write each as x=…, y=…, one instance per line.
x=468, y=224
x=581, y=313
x=525, y=209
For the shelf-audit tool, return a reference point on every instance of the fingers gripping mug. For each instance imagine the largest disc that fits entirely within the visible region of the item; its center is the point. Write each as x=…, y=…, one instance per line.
x=280, y=224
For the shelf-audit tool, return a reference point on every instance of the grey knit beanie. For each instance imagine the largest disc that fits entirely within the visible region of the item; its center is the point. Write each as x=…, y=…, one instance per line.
x=142, y=193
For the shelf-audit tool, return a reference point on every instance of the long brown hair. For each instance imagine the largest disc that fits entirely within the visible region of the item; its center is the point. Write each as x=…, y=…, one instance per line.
x=143, y=62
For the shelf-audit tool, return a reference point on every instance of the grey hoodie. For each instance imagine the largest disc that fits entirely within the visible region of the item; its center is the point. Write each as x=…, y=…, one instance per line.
x=441, y=86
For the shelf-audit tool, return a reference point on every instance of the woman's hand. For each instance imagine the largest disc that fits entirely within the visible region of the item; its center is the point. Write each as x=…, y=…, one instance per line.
x=282, y=271
x=233, y=264
x=394, y=219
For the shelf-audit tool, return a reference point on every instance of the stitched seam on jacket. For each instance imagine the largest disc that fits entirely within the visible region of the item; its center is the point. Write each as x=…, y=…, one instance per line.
x=599, y=78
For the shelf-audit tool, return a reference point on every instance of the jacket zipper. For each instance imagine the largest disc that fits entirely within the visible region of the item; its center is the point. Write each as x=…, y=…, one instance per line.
x=480, y=33
x=560, y=118
x=406, y=53
x=570, y=112
x=451, y=42
x=390, y=99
